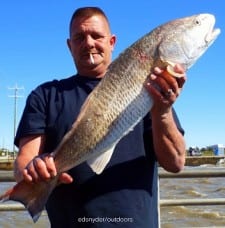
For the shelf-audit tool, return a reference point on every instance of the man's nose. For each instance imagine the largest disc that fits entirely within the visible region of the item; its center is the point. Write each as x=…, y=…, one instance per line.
x=89, y=41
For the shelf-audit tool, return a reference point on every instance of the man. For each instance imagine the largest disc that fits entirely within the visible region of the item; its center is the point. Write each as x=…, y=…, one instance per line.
x=125, y=194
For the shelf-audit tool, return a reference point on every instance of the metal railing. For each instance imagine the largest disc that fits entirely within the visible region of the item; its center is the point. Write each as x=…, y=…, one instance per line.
x=189, y=173
x=193, y=173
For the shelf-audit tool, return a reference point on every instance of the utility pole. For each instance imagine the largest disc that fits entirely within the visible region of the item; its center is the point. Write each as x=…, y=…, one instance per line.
x=15, y=96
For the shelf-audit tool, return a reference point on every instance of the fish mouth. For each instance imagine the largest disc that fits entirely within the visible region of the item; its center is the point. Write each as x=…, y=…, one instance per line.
x=212, y=34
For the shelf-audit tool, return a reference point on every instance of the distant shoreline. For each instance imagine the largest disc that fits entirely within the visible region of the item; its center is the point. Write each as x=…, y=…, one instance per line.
x=7, y=164
x=202, y=160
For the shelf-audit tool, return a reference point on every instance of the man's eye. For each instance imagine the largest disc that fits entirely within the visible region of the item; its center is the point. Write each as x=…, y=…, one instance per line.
x=78, y=38
x=81, y=38
x=97, y=37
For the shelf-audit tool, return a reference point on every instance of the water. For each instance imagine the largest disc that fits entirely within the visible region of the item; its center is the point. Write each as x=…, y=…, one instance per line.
x=192, y=216
x=19, y=219
x=171, y=217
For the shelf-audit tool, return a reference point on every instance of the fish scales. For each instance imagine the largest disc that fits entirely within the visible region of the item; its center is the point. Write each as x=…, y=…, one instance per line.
x=107, y=120
x=120, y=101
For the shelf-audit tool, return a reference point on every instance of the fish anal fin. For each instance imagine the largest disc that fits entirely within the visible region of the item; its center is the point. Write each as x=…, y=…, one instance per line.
x=99, y=163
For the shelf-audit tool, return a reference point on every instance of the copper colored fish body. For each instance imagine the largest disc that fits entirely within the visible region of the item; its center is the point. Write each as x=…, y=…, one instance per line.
x=120, y=101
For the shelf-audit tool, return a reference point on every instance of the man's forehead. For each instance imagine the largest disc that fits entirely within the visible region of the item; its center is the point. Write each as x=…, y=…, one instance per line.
x=97, y=22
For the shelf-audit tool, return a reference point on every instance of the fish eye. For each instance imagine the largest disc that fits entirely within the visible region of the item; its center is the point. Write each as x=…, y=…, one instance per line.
x=197, y=22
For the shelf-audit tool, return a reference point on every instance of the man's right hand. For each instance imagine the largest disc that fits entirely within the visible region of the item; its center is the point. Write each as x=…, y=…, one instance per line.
x=42, y=168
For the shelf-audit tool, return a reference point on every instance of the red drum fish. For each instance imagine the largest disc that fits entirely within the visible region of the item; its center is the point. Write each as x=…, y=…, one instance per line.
x=120, y=101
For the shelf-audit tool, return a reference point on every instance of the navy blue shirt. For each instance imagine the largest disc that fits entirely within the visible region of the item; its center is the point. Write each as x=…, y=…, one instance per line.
x=125, y=194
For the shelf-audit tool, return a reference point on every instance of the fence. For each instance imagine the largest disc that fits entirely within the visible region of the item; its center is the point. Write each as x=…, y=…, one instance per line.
x=192, y=173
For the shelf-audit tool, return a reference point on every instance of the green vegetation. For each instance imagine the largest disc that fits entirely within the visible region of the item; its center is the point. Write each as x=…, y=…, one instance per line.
x=3, y=152
x=6, y=152
x=203, y=151
x=207, y=153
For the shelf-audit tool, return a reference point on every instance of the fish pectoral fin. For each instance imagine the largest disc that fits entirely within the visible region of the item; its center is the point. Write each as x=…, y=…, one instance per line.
x=98, y=163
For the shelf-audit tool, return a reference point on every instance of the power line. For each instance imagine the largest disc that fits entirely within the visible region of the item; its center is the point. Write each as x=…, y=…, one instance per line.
x=15, y=96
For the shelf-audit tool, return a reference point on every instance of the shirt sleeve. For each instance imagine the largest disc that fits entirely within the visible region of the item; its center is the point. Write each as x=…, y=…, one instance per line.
x=148, y=122
x=33, y=120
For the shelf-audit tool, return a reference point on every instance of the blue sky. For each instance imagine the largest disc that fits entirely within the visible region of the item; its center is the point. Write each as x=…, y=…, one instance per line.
x=33, y=50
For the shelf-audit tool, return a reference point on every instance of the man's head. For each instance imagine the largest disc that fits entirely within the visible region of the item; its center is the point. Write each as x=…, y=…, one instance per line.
x=91, y=42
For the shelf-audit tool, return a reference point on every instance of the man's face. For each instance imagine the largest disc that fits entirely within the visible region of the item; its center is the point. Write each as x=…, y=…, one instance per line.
x=91, y=45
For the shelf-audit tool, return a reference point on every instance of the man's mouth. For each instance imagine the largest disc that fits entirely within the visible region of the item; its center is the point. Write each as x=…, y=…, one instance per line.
x=91, y=58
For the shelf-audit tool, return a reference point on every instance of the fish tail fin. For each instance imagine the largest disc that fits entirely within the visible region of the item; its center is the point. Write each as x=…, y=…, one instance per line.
x=6, y=195
x=32, y=195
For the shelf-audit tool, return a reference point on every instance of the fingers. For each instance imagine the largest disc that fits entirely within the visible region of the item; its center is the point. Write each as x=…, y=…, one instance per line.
x=40, y=168
x=167, y=82
x=178, y=69
x=65, y=178
x=163, y=84
x=49, y=169
x=164, y=87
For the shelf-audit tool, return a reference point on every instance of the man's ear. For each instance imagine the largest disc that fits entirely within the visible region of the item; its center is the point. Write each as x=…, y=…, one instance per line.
x=68, y=44
x=113, y=41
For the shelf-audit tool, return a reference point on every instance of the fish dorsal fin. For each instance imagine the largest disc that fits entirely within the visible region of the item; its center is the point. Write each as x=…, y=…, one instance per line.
x=98, y=163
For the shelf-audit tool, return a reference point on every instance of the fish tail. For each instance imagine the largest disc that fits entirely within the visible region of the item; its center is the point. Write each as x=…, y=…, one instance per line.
x=32, y=195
